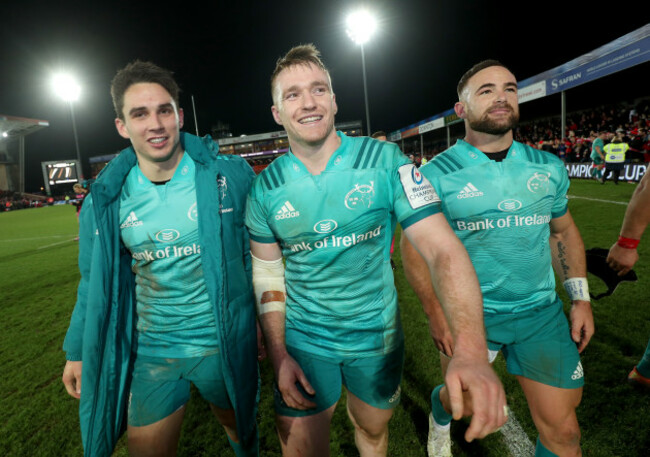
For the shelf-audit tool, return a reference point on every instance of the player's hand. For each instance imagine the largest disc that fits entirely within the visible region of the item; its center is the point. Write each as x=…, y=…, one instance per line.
x=582, y=323
x=261, y=348
x=441, y=334
x=288, y=375
x=622, y=259
x=72, y=378
x=484, y=392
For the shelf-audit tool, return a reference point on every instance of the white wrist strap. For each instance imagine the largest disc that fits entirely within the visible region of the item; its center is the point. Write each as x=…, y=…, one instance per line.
x=577, y=288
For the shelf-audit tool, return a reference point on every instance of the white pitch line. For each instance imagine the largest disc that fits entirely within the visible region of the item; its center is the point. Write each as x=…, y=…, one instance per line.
x=516, y=439
x=37, y=238
x=54, y=244
x=599, y=200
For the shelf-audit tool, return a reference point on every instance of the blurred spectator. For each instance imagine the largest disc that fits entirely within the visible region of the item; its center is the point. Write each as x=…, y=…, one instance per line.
x=380, y=135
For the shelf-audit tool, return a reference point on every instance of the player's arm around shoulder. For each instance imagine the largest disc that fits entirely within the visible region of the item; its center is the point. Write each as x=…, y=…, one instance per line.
x=569, y=263
x=73, y=342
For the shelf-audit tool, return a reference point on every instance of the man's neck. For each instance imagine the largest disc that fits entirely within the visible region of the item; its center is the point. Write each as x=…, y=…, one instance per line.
x=488, y=143
x=316, y=156
x=161, y=171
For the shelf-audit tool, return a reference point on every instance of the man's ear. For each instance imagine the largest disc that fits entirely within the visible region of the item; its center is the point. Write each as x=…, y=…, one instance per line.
x=181, y=118
x=276, y=115
x=121, y=128
x=459, y=109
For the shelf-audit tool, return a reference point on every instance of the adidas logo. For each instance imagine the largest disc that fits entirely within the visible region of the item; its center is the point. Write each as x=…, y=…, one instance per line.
x=287, y=211
x=578, y=373
x=131, y=221
x=469, y=191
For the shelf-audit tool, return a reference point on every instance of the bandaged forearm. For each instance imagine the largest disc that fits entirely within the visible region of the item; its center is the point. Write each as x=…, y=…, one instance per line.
x=577, y=288
x=269, y=286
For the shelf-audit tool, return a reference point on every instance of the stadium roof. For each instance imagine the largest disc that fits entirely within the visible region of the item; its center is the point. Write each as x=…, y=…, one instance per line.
x=14, y=126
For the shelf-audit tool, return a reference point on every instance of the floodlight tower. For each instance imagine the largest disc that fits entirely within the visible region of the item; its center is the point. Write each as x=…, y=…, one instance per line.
x=361, y=25
x=66, y=87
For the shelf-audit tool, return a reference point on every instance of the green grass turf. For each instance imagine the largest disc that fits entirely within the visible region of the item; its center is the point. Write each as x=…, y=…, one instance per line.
x=39, y=278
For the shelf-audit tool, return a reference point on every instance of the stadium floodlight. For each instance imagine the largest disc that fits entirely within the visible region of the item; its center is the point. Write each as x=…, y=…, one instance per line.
x=5, y=134
x=361, y=25
x=66, y=87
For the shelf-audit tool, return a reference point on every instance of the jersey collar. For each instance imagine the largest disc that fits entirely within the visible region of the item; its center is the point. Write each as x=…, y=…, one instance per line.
x=184, y=172
x=337, y=156
x=475, y=154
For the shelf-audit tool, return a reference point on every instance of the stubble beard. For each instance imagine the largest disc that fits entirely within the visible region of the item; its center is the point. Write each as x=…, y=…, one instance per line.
x=494, y=126
x=317, y=141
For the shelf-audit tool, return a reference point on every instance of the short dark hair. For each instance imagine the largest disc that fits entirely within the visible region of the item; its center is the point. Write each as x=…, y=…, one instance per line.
x=141, y=72
x=475, y=69
x=379, y=133
x=303, y=54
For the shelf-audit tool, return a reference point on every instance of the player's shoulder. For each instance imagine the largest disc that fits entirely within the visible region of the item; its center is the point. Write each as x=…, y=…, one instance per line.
x=367, y=152
x=273, y=176
x=536, y=156
x=449, y=161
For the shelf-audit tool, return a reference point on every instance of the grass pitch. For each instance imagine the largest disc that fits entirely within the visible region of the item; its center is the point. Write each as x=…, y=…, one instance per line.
x=39, y=277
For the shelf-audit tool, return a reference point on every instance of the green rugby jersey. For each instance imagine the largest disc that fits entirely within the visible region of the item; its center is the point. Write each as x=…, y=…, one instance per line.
x=335, y=232
x=501, y=212
x=158, y=225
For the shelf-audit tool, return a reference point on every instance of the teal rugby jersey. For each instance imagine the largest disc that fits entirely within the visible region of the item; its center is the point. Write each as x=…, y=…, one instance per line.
x=335, y=231
x=501, y=212
x=596, y=143
x=158, y=225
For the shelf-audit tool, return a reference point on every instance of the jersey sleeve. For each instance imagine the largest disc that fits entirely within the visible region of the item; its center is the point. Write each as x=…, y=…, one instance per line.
x=414, y=196
x=256, y=217
x=560, y=204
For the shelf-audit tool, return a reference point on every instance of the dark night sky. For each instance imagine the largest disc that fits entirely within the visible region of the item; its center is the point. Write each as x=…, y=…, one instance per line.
x=223, y=54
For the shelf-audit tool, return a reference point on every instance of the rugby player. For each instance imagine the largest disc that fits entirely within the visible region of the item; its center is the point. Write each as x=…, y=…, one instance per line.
x=507, y=203
x=329, y=208
x=598, y=155
x=623, y=255
x=165, y=298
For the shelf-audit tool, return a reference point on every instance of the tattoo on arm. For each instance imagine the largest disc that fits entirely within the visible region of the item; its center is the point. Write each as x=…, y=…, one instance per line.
x=562, y=257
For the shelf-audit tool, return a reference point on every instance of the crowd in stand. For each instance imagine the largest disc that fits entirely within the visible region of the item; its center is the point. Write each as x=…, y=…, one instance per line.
x=14, y=200
x=633, y=122
x=261, y=163
x=11, y=201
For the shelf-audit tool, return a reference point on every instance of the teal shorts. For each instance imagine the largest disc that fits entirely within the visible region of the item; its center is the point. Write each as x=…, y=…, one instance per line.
x=160, y=386
x=597, y=160
x=374, y=380
x=537, y=345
